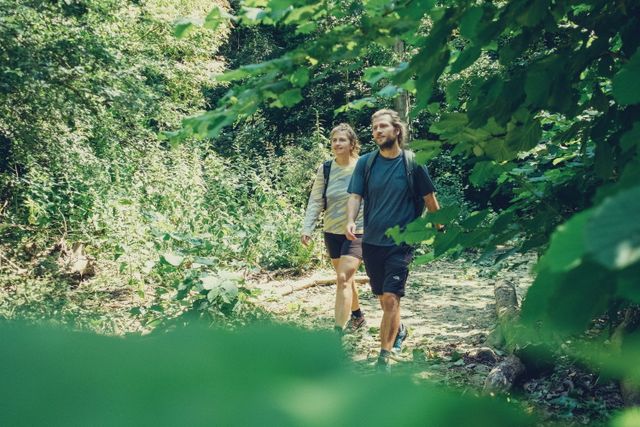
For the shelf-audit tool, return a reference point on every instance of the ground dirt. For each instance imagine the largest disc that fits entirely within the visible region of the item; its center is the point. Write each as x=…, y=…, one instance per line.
x=449, y=308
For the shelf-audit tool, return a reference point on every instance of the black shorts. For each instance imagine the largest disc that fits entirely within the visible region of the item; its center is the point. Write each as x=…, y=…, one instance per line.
x=338, y=245
x=387, y=267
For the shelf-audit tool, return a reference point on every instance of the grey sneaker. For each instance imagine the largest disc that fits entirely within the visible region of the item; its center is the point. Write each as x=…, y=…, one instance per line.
x=355, y=323
x=402, y=335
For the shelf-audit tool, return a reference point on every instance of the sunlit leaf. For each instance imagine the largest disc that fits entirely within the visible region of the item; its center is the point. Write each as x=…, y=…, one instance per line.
x=613, y=238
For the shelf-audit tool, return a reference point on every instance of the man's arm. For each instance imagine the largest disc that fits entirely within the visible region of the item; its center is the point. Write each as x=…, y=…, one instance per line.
x=353, y=207
x=432, y=205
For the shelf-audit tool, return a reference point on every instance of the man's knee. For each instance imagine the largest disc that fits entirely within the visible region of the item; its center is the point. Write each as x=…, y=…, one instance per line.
x=389, y=301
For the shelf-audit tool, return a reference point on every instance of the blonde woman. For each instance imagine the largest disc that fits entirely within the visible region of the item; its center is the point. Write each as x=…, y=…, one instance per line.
x=329, y=194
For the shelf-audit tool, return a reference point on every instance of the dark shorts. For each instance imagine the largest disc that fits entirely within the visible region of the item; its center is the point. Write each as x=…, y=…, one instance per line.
x=338, y=245
x=387, y=267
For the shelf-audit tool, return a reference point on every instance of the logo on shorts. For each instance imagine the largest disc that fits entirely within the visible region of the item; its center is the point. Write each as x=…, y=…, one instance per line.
x=396, y=277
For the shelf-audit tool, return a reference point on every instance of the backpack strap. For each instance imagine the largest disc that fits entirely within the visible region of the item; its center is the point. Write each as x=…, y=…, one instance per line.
x=410, y=168
x=326, y=171
x=367, y=170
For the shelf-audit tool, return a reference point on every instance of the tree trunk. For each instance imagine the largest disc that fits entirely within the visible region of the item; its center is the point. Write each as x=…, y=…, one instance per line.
x=402, y=101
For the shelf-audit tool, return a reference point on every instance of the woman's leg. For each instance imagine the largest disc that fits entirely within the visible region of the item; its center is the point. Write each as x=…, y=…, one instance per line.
x=346, y=293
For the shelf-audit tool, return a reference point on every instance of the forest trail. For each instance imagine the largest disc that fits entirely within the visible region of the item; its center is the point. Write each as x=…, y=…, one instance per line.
x=449, y=308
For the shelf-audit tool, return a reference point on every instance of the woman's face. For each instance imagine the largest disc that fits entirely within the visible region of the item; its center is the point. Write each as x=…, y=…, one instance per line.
x=340, y=144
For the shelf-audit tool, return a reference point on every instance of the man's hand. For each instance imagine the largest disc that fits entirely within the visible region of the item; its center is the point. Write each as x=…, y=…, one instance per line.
x=305, y=239
x=350, y=231
x=353, y=206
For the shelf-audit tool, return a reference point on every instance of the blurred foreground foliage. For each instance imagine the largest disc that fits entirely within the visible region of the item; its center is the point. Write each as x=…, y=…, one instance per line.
x=199, y=376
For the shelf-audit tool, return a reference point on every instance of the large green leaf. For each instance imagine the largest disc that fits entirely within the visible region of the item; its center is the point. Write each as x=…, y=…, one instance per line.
x=626, y=84
x=568, y=244
x=613, y=232
x=290, y=97
x=565, y=303
x=486, y=171
x=631, y=138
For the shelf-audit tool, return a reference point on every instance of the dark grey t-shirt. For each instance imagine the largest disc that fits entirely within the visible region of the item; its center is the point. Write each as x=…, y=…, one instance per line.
x=387, y=202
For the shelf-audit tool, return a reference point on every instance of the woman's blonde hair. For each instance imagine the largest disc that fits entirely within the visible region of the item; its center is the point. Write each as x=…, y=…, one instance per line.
x=351, y=135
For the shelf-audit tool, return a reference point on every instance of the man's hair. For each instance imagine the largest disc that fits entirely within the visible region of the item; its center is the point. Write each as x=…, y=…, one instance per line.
x=396, y=121
x=351, y=135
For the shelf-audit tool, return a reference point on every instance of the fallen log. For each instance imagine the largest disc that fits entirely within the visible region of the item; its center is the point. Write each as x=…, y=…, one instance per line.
x=323, y=281
x=629, y=388
x=502, y=377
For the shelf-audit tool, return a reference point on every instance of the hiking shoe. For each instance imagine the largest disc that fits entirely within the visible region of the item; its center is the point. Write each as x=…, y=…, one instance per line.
x=355, y=323
x=382, y=364
x=402, y=335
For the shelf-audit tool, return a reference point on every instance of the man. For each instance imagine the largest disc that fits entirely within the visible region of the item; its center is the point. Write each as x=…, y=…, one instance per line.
x=383, y=183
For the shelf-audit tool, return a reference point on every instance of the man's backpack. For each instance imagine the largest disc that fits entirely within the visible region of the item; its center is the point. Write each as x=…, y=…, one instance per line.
x=410, y=168
x=326, y=170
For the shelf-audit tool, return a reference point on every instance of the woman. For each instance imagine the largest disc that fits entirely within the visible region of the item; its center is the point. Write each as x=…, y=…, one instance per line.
x=345, y=255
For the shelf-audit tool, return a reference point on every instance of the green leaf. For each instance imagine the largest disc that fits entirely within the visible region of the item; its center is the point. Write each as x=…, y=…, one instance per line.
x=452, y=91
x=232, y=75
x=613, y=231
x=290, y=97
x=484, y=172
x=474, y=219
x=373, y=75
x=469, y=22
x=209, y=282
x=523, y=137
x=631, y=138
x=628, y=418
x=446, y=241
x=535, y=13
x=300, y=78
x=183, y=26
x=466, y=58
x=568, y=244
x=306, y=28
x=626, y=84
x=566, y=303
x=204, y=261
x=358, y=104
x=424, y=259
x=415, y=232
x=425, y=150
x=389, y=91
x=217, y=17
x=444, y=215
x=450, y=124
x=173, y=259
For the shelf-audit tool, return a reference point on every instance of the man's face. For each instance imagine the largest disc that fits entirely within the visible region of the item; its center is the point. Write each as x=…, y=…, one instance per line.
x=384, y=133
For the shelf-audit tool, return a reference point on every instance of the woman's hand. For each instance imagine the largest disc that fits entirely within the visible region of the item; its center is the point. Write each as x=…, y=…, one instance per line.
x=305, y=239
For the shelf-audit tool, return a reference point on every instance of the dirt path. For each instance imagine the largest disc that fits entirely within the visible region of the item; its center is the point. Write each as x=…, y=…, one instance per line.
x=449, y=309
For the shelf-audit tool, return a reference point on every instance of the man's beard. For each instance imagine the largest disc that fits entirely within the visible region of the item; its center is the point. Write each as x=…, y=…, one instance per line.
x=387, y=143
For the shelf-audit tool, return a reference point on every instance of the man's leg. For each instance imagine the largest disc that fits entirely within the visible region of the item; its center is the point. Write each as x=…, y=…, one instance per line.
x=396, y=265
x=390, y=324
